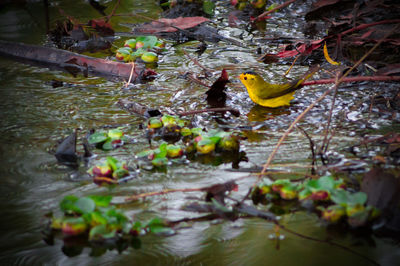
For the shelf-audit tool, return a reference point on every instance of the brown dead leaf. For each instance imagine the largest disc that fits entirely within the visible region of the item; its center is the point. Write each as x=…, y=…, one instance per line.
x=170, y=25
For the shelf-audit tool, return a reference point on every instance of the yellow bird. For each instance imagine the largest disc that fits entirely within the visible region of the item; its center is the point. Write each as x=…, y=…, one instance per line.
x=271, y=95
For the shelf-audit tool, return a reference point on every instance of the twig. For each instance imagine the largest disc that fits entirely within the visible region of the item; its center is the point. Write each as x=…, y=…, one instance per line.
x=352, y=79
x=328, y=242
x=274, y=9
x=195, y=61
x=130, y=75
x=312, y=145
x=233, y=111
x=162, y=192
x=363, y=26
x=324, y=142
x=113, y=11
x=290, y=68
x=192, y=78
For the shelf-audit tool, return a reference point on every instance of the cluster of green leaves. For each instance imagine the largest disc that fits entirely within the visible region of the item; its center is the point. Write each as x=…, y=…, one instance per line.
x=143, y=47
x=107, y=140
x=193, y=140
x=208, y=6
x=333, y=202
x=94, y=217
x=109, y=171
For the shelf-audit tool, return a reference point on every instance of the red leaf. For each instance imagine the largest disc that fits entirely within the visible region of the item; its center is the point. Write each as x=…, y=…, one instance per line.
x=170, y=25
x=303, y=48
x=218, y=86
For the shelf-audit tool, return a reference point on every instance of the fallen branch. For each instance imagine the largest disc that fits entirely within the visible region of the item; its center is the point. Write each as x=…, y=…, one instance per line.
x=364, y=26
x=352, y=79
x=62, y=59
x=213, y=190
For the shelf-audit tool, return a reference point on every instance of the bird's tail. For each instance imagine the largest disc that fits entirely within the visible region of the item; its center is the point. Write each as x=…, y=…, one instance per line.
x=297, y=84
x=306, y=76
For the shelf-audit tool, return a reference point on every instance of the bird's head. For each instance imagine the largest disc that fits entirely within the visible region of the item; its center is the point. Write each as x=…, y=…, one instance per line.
x=249, y=78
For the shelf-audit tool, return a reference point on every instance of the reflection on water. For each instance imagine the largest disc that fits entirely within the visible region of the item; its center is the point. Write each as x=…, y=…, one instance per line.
x=35, y=115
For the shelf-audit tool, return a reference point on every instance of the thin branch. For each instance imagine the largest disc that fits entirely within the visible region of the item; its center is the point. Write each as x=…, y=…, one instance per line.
x=364, y=26
x=352, y=79
x=325, y=140
x=113, y=11
x=194, y=79
x=194, y=60
x=312, y=145
x=162, y=192
x=328, y=242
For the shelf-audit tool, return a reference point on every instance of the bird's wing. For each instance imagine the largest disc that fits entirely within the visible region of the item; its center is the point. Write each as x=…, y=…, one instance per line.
x=276, y=90
x=270, y=91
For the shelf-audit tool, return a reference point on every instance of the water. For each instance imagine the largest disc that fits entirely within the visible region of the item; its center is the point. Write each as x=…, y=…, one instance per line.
x=35, y=116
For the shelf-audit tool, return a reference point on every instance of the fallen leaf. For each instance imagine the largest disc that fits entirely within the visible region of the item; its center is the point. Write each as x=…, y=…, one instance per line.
x=302, y=48
x=170, y=25
x=216, y=95
x=328, y=58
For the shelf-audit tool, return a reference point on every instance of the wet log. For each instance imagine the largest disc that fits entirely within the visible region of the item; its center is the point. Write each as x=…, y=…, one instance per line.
x=52, y=57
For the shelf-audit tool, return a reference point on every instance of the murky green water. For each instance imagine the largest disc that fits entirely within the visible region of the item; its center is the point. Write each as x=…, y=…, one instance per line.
x=34, y=116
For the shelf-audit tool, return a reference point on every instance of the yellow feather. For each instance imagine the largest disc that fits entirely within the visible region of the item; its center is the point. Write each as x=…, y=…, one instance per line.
x=270, y=95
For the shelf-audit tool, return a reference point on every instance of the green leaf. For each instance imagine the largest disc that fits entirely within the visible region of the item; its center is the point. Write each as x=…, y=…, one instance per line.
x=120, y=218
x=197, y=131
x=158, y=162
x=186, y=131
x=346, y=198
x=158, y=226
x=215, y=139
x=95, y=218
x=145, y=153
x=148, y=41
x=85, y=204
x=100, y=232
x=340, y=197
x=112, y=162
x=115, y=133
x=206, y=141
x=67, y=205
x=168, y=120
x=107, y=145
x=161, y=152
x=283, y=182
x=97, y=137
x=124, y=50
x=138, y=52
x=208, y=7
x=358, y=198
x=101, y=201
x=326, y=182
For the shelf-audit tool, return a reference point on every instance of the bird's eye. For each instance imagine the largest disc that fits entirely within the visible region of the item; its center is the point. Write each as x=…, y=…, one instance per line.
x=245, y=78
